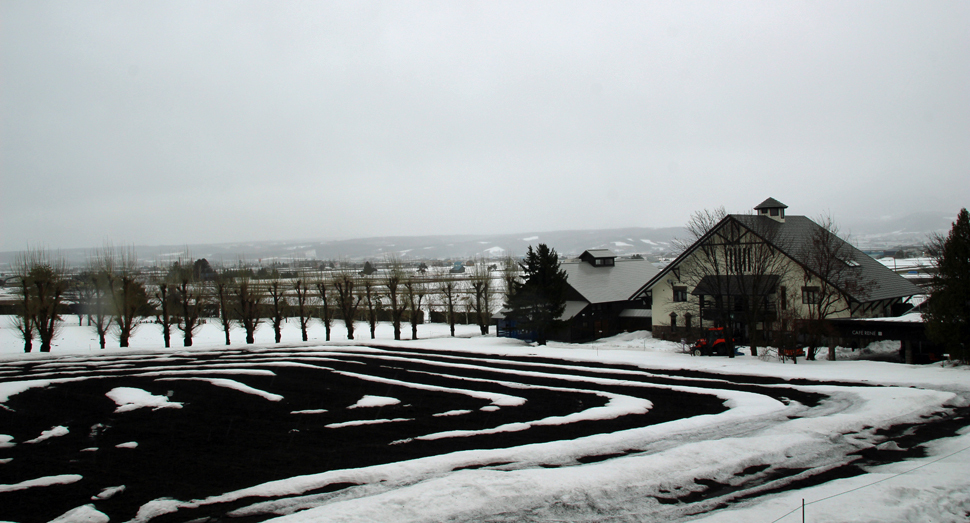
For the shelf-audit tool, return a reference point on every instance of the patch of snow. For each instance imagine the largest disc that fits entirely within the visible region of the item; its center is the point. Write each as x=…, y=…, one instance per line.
x=498, y=399
x=46, y=481
x=6, y=441
x=12, y=388
x=82, y=514
x=231, y=384
x=530, y=239
x=130, y=398
x=127, y=445
x=310, y=411
x=54, y=432
x=156, y=508
x=108, y=492
x=452, y=413
x=374, y=401
x=365, y=422
x=622, y=244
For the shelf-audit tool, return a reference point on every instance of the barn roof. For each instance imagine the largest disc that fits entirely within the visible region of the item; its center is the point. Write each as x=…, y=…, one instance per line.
x=794, y=237
x=618, y=282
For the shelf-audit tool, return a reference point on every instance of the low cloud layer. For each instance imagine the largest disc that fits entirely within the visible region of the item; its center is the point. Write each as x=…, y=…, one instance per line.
x=186, y=122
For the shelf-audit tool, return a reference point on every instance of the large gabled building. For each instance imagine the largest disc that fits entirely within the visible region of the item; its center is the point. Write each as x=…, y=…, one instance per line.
x=599, y=298
x=715, y=281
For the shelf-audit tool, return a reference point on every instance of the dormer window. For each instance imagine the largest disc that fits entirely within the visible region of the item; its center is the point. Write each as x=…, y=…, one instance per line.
x=599, y=257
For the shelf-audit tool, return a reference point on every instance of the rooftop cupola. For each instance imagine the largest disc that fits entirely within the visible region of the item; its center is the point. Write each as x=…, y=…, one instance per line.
x=773, y=209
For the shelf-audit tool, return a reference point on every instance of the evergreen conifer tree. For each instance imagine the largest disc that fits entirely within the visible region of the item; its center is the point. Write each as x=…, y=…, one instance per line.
x=947, y=314
x=538, y=301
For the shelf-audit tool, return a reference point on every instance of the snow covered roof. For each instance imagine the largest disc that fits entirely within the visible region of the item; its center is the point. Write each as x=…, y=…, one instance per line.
x=572, y=309
x=618, y=282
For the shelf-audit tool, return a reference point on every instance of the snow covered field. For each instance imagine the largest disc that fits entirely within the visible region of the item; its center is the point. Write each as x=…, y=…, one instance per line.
x=481, y=428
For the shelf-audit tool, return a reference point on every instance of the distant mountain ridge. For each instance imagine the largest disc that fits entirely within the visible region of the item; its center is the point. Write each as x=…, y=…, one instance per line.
x=624, y=241
x=875, y=233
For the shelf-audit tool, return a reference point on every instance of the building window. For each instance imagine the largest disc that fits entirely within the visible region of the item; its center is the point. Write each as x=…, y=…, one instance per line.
x=687, y=318
x=774, y=211
x=680, y=294
x=783, y=298
x=810, y=295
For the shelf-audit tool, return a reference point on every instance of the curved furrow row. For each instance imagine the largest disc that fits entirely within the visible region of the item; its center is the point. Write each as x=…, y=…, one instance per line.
x=205, y=433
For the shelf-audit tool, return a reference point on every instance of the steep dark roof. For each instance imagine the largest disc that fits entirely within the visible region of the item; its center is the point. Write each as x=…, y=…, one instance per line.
x=770, y=203
x=793, y=237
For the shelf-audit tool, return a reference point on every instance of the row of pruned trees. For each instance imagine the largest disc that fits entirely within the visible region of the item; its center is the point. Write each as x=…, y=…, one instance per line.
x=114, y=296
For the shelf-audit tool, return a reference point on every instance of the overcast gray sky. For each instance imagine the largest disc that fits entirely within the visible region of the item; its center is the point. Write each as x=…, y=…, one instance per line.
x=188, y=122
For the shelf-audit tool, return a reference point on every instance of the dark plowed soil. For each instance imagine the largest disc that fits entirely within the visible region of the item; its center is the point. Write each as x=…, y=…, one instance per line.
x=223, y=440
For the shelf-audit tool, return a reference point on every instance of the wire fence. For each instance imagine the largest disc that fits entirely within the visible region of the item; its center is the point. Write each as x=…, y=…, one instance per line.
x=805, y=504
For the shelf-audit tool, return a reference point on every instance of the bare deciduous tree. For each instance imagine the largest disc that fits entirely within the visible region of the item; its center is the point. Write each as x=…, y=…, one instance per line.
x=738, y=263
x=129, y=295
x=480, y=282
x=248, y=305
x=834, y=279
x=372, y=301
x=302, y=289
x=414, y=293
x=278, y=305
x=24, y=319
x=191, y=299
x=164, y=305
x=510, y=274
x=223, y=290
x=345, y=282
x=100, y=273
x=323, y=285
x=450, y=289
x=393, y=280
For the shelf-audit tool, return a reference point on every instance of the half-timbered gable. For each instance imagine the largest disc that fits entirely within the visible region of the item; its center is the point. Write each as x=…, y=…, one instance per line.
x=756, y=272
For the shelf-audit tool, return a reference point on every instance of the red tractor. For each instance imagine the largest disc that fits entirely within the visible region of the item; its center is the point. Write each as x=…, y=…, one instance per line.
x=714, y=344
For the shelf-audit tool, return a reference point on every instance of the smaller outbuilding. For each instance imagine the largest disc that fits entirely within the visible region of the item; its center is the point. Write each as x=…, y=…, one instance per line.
x=600, y=298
